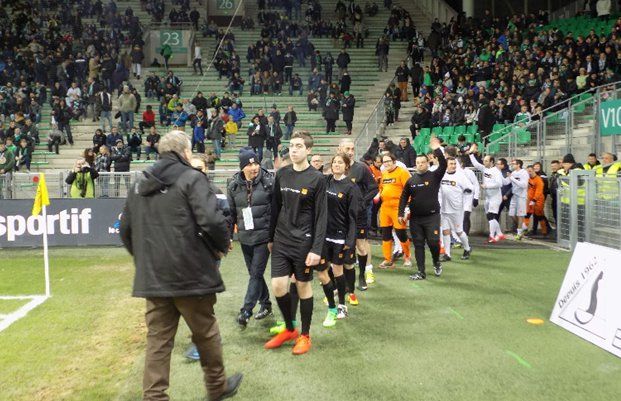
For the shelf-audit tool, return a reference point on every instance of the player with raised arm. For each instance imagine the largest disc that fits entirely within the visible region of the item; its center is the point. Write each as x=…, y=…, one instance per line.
x=492, y=185
x=421, y=193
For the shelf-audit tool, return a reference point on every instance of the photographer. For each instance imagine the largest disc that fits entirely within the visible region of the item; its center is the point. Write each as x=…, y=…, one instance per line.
x=82, y=179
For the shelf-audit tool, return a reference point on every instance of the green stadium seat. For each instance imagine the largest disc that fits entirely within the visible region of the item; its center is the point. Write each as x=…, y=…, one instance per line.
x=460, y=130
x=425, y=132
x=472, y=129
x=436, y=131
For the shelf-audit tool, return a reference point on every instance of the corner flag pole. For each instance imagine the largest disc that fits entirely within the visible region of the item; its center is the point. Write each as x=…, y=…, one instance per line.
x=46, y=258
x=42, y=199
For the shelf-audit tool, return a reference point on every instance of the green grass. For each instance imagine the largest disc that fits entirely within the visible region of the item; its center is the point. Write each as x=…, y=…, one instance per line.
x=461, y=337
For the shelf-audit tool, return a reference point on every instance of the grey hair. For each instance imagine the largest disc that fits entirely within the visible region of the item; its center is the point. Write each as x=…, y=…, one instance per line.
x=175, y=141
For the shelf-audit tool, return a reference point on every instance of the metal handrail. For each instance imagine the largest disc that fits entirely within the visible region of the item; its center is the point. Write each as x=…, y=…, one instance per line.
x=365, y=128
x=554, y=109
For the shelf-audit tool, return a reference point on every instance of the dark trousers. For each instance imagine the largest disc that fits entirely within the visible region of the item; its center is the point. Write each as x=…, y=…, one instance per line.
x=425, y=229
x=162, y=318
x=197, y=63
x=555, y=208
x=256, y=261
x=348, y=125
x=330, y=125
x=467, y=222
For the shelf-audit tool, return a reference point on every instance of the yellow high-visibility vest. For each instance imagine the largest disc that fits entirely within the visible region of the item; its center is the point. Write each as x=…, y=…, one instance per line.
x=607, y=184
x=565, y=193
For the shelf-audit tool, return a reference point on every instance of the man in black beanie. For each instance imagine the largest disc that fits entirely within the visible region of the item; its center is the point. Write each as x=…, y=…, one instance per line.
x=250, y=196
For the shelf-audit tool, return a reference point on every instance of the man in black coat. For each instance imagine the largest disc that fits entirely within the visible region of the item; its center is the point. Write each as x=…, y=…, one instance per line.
x=331, y=112
x=405, y=153
x=122, y=157
x=173, y=229
x=349, y=103
x=249, y=195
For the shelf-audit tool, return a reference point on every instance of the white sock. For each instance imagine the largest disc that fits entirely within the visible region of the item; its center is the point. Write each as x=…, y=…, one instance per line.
x=519, y=231
x=396, y=243
x=447, y=244
x=465, y=241
x=369, y=268
x=497, y=231
x=492, y=228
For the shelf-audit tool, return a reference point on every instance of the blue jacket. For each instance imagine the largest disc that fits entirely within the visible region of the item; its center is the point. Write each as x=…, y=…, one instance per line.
x=237, y=114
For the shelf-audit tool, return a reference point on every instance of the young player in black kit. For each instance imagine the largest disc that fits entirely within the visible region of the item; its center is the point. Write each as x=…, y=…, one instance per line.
x=361, y=175
x=297, y=233
x=343, y=206
x=421, y=192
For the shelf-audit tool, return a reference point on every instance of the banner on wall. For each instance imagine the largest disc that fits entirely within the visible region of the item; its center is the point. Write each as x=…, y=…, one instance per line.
x=70, y=222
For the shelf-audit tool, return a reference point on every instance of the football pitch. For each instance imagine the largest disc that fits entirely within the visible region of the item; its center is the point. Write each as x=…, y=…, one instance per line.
x=463, y=336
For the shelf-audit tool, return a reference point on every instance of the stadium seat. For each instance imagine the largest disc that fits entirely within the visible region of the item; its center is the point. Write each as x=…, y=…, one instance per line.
x=436, y=131
x=425, y=132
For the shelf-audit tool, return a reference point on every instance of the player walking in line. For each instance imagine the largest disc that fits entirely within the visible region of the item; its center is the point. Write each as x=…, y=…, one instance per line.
x=455, y=188
x=343, y=205
x=519, y=187
x=394, y=179
x=421, y=192
x=536, y=202
x=471, y=200
x=361, y=175
x=297, y=233
x=492, y=185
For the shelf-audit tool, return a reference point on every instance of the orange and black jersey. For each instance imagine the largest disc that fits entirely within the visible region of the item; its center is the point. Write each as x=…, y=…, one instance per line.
x=299, y=209
x=343, y=205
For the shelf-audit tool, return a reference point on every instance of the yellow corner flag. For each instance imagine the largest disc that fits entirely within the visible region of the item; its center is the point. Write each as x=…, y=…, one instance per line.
x=42, y=197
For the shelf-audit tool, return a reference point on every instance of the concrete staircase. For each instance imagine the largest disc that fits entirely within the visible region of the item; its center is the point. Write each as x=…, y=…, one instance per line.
x=367, y=86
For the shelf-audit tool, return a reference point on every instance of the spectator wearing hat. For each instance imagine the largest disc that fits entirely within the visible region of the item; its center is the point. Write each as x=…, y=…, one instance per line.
x=331, y=112
x=249, y=195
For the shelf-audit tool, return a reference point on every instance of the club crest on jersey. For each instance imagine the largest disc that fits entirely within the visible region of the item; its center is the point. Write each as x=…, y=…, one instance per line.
x=304, y=191
x=340, y=195
x=340, y=255
x=353, y=179
x=435, y=232
x=426, y=183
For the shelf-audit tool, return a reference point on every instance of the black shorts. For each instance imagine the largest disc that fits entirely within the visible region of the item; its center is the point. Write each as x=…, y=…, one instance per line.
x=362, y=233
x=350, y=256
x=287, y=260
x=333, y=253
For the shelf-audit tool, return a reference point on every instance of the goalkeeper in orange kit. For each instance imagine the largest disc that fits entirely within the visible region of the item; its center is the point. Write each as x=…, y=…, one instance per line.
x=536, y=202
x=391, y=186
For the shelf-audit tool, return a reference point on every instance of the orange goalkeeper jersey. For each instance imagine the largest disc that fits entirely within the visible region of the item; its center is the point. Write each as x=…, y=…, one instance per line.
x=391, y=186
x=535, y=189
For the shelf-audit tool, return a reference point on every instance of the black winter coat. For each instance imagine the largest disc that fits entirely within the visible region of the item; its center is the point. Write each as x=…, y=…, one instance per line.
x=406, y=155
x=121, y=158
x=256, y=140
x=173, y=228
x=348, y=108
x=332, y=109
x=259, y=192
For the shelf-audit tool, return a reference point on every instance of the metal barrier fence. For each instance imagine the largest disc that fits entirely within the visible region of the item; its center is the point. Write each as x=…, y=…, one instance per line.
x=589, y=209
x=107, y=185
x=571, y=126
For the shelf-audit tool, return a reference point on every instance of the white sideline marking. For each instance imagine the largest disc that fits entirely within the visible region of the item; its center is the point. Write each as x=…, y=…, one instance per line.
x=35, y=300
x=18, y=297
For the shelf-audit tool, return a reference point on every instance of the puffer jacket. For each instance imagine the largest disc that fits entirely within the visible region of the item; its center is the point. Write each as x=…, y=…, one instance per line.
x=260, y=191
x=172, y=226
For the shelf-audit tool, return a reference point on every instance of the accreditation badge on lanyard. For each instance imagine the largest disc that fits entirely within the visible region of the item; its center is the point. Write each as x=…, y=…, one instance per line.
x=247, y=211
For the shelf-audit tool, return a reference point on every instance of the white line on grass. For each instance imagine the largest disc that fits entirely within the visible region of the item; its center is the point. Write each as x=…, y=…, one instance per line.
x=35, y=300
x=18, y=297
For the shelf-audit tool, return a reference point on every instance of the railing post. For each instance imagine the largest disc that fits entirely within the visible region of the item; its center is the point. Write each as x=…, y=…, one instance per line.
x=596, y=106
x=573, y=210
